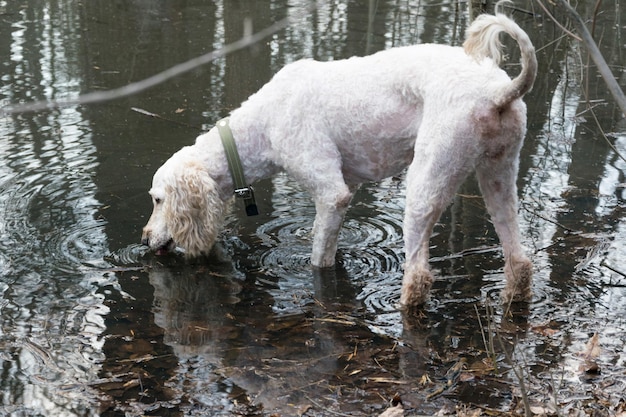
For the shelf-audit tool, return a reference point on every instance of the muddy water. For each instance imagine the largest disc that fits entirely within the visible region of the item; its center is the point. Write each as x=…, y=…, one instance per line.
x=92, y=324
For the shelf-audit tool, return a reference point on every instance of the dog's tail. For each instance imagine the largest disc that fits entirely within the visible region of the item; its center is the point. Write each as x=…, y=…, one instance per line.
x=483, y=41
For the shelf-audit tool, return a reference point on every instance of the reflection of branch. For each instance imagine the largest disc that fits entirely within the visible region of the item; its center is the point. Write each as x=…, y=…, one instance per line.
x=604, y=135
x=596, y=56
x=617, y=271
x=247, y=40
x=554, y=222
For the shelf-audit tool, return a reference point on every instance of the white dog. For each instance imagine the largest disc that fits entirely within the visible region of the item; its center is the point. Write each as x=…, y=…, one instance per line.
x=442, y=111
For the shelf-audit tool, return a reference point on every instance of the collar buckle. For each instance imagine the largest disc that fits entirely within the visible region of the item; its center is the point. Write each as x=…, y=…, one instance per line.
x=245, y=193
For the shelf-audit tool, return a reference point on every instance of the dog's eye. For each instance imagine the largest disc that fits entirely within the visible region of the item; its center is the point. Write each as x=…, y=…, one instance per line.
x=157, y=201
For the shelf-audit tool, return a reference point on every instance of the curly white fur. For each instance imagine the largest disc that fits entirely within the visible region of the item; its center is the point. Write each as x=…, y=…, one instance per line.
x=442, y=111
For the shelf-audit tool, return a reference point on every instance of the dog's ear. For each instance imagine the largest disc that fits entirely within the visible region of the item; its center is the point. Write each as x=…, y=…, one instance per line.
x=194, y=211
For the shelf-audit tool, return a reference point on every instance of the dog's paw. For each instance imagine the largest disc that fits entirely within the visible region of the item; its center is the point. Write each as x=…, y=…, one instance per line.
x=416, y=286
x=519, y=274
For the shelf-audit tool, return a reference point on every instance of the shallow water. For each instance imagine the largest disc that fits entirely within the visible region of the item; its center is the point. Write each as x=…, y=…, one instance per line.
x=93, y=324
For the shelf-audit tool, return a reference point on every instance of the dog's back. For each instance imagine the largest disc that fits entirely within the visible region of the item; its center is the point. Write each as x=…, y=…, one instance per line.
x=380, y=87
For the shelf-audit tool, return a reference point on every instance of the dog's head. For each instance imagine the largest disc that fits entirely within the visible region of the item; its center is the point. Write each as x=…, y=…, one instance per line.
x=187, y=209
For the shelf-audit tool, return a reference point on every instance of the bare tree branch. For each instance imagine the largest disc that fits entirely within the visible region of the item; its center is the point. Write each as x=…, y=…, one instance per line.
x=247, y=40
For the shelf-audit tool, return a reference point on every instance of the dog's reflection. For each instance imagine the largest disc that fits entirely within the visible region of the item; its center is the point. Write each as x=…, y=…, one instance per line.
x=230, y=342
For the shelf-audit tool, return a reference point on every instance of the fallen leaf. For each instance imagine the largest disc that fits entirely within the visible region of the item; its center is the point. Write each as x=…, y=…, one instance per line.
x=302, y=410
x=545, y=329
x=466, y=376
x=463, y=411
x=589, y=355
x=396, y=411
x=543, y=410
x=592, y=348
x=425, y=380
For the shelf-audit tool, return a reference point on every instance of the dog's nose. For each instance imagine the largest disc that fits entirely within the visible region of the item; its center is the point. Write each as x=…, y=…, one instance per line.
x=145, y=238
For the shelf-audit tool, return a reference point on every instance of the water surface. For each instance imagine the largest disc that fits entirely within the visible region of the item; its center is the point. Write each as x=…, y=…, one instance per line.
x=93, y=325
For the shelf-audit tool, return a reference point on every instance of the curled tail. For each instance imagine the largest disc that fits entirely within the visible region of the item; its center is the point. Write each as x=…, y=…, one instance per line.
x=482, y=40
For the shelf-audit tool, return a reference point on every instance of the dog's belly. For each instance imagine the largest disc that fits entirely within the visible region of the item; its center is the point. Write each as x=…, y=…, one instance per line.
x=363, y=157
x=382, y=146
x=374, y=160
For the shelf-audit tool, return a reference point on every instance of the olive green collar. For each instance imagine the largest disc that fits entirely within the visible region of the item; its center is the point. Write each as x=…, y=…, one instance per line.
x=242, y=189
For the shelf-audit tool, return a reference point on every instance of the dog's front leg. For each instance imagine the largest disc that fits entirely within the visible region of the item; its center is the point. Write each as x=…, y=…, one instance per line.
x=330, y=211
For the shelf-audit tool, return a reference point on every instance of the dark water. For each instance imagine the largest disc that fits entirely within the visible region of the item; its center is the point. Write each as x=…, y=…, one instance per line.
x=91, y=324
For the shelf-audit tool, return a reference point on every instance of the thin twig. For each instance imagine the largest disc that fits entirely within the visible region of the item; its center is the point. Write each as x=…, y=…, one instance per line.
x=519, y=374
x=165, y=119
x=482, y=332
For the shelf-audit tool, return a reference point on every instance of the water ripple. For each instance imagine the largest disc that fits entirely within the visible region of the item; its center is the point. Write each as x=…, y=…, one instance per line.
x=288, y=245
x=77, y=245
x=369, y=248
x=381, y=293
x=47, y=200
x=365, y=245
x=129, y=255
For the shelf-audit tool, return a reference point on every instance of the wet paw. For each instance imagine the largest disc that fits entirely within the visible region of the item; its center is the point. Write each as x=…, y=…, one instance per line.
x=416, y=286
x=519, y=274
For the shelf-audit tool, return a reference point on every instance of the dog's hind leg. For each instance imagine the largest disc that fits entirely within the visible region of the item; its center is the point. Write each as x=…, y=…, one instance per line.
x=431, y=183
x=497, y=177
